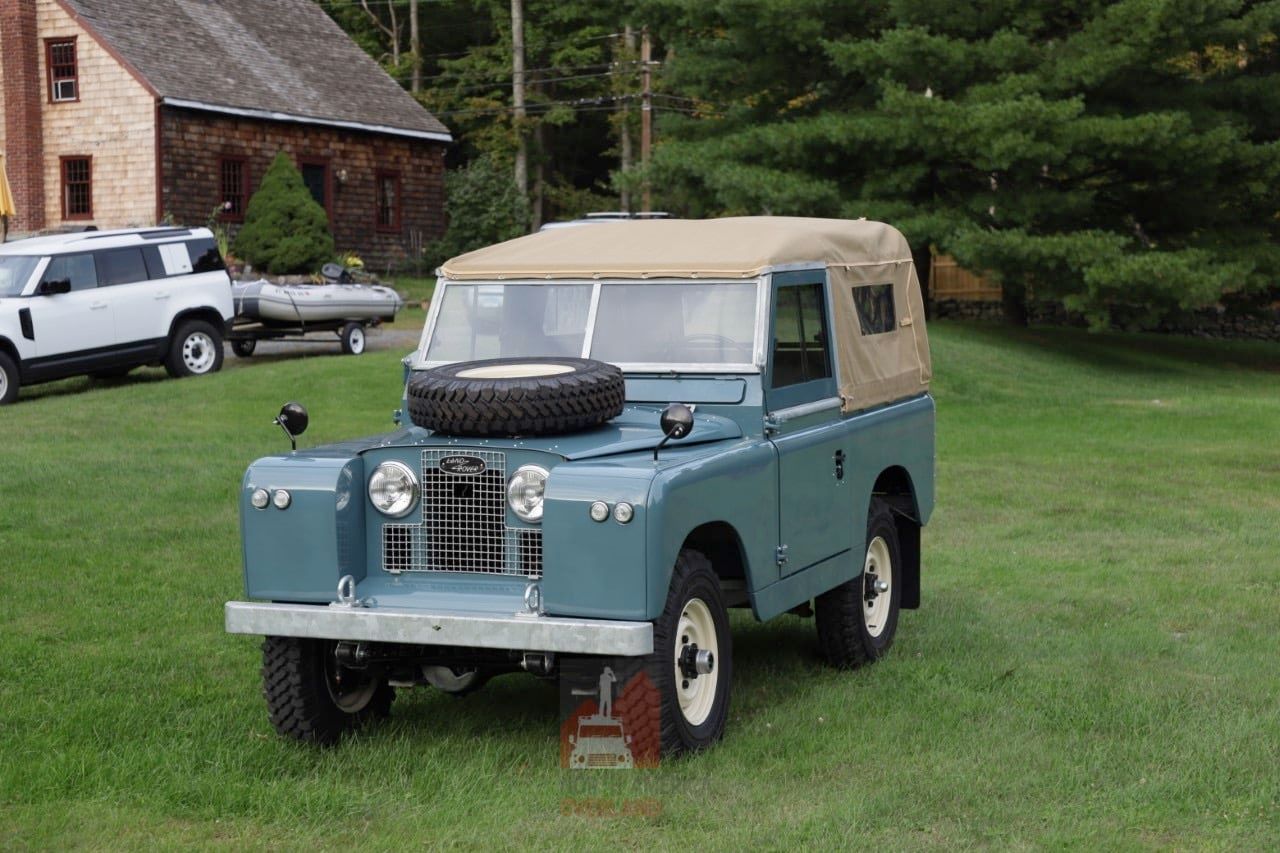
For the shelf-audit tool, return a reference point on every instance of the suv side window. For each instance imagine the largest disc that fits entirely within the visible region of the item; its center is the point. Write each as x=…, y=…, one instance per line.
x=121, y=266
x=80, y=270
x=205, y=256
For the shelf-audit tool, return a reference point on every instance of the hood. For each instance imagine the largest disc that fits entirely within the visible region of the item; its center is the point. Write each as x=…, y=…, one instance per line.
x=635, y=429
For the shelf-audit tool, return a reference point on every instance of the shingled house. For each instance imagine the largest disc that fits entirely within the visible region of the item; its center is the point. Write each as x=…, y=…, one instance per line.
x=127, y=112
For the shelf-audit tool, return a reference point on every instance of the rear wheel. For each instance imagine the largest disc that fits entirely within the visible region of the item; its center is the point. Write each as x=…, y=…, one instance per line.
x=8, y=380
x=196, y=349
x=353, y=339
x=244, y=347
x=692, y=661
x=857, y=620
x=312, y=697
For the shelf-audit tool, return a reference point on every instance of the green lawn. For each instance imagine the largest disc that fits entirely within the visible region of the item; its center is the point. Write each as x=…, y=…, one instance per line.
x=1096, y=664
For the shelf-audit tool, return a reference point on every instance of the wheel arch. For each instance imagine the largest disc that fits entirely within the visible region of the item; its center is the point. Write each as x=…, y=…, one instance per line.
x=895, y=487
x=206, y=313
x=10, y=349
x=720, y=543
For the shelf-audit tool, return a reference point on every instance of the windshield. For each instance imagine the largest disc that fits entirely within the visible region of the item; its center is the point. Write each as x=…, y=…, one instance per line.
x=15, y=271
x=684, y=323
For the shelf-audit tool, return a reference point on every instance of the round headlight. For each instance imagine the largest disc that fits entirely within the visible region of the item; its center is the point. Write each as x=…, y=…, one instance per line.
x=599, y=511
x=281, y=499
x=524, y=492
x=260, y=498
x=393, y=490
x=623, y=512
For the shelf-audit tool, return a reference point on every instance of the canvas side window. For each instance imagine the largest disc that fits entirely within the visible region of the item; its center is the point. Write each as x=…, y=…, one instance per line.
x=800, y=337
x=78, y=269
x=875, y=307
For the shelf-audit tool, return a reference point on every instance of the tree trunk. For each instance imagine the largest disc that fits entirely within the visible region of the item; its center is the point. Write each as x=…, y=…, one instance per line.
x=1013, y=298
x=624, y=127
x=415, y=46
x=923, y=258
x=517, y=98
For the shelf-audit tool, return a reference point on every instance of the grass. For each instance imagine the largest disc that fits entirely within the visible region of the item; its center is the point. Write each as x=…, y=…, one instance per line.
x=1096, y=663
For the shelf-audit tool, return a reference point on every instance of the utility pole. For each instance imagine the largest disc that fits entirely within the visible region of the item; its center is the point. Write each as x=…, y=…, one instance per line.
x=646, y=115
x=517, y=97
x=624, y=143
x=415, y=45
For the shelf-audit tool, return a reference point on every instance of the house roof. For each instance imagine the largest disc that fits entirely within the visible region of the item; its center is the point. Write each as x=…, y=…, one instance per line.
x=284, y=60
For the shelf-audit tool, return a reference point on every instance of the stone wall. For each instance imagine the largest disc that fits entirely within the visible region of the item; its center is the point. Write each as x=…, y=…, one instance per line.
x=194, y=143
x=113, y=122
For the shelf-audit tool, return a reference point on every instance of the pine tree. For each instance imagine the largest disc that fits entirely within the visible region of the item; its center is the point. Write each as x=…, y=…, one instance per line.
x=285, y=231
x=1121, y=157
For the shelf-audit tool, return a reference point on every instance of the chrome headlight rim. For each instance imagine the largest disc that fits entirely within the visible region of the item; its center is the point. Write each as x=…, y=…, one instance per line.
x=532, y=515
x=415, y=489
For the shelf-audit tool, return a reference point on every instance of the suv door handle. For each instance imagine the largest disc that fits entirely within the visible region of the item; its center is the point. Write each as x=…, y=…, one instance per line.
x=97, y=306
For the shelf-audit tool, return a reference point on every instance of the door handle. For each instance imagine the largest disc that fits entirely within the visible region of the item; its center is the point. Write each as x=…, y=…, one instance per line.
x=839, y=460
x=97, y=306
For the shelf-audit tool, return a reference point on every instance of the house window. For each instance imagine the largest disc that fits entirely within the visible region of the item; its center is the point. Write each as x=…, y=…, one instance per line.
x=77, y=187
x=234, y=177
x=60, y=59
x=388, y=201
x=315, y=174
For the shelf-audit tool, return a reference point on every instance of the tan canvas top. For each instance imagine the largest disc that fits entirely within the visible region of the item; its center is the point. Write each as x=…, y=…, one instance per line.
x=737, y=247
x=881, y=358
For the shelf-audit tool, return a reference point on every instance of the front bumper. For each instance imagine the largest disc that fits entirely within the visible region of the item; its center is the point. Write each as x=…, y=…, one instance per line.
x=442, y=628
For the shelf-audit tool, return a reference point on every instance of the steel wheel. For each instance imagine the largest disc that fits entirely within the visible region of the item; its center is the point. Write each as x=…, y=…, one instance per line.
x=198, y=352
x=353, y=339
x=877, y=586
x=349, y=689
x=696, y=680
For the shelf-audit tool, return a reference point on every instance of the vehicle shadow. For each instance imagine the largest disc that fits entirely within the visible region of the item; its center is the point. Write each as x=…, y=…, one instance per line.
x=1129, y=352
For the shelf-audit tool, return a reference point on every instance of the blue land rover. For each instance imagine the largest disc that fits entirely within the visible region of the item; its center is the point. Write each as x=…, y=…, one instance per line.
x=611, y=435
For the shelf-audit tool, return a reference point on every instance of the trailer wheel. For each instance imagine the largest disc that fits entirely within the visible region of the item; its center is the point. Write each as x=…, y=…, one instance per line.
x=244, y=347
x=352, y=339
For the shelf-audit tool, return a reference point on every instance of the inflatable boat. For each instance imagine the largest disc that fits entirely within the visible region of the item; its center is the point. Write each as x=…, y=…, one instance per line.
x=313, y=303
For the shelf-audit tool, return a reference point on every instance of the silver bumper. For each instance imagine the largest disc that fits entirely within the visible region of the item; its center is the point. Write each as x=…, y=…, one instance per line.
x=442, y=628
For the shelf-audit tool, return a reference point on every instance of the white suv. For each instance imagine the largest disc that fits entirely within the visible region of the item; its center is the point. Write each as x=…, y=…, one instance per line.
x=105, y=302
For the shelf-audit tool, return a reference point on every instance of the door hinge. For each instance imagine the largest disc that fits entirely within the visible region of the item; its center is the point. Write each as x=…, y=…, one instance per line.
x=782, y=555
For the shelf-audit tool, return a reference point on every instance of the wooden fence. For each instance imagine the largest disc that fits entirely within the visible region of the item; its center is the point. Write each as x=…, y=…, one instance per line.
x=950, y=281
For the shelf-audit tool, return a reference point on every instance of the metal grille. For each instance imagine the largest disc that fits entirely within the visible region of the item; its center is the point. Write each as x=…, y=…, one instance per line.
x=464, y=524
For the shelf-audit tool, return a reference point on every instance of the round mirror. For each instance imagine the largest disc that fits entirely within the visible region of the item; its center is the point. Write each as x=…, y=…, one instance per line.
x=293, y=417
x=677, y=420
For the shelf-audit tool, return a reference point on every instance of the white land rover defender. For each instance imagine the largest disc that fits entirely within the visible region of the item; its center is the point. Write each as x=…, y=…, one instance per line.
x=104, y=302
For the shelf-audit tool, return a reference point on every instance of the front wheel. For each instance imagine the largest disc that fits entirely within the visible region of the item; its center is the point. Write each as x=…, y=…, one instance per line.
x=312, y=697
x=857, y=620
x=196, y=349
x=692, y=661
x=353, y=339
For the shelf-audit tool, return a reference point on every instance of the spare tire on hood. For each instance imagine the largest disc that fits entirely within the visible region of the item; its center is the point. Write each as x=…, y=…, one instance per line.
x=516, y=396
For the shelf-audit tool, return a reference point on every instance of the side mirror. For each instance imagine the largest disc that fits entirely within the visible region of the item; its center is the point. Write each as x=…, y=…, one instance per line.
x=676, y=422
x=57, y=285
x=293, y=420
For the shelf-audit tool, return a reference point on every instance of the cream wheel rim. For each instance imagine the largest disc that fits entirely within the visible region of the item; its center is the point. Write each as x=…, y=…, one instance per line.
x=877, y=586
x=514, y=371
x=197, y=352
x=697, y=693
